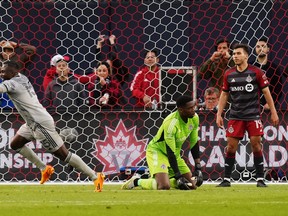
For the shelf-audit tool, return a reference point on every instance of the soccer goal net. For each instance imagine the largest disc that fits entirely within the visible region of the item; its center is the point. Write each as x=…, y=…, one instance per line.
x=113, y=140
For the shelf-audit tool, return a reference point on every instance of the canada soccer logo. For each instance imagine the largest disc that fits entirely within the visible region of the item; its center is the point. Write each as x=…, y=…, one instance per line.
x=119, y=148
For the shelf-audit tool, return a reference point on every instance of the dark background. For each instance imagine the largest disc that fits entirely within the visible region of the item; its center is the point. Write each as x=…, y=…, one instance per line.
x=183, y=31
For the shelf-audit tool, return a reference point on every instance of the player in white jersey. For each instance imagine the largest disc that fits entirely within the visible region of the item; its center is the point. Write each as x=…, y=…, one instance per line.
x=39, y=125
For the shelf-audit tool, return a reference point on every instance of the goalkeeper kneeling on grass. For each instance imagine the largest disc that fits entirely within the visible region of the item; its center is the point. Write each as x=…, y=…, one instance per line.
x=167, y=168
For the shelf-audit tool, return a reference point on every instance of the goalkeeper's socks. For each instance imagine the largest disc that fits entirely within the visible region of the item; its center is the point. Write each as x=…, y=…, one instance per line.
x=258, y=163
x=229, y=164
x=148, y=184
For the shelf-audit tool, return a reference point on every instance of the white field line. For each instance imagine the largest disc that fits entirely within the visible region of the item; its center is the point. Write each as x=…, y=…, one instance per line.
x=128, y=202
x=119, y=183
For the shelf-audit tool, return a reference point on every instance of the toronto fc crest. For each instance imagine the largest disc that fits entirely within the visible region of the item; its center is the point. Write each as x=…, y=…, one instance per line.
x=231, y=129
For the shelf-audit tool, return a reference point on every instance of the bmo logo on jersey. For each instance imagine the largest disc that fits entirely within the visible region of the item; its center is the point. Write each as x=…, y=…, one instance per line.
x=249, y=88
x=237, y=88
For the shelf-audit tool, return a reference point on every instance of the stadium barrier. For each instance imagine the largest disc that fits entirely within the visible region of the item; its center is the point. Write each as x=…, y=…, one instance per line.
x=109, y=141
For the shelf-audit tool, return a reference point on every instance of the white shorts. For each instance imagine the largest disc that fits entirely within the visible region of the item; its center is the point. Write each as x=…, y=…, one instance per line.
x=44, y=132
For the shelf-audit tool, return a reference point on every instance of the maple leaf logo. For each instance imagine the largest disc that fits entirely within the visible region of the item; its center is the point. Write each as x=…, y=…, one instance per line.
x=120, y=147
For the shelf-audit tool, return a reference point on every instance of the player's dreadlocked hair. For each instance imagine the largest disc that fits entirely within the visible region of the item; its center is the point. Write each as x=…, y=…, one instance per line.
x=183, y=100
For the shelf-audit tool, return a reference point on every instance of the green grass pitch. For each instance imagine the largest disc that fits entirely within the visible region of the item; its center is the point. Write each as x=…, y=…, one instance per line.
x=52, y=200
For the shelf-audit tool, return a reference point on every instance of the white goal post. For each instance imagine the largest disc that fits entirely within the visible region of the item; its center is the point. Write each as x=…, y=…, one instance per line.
x=181, y=78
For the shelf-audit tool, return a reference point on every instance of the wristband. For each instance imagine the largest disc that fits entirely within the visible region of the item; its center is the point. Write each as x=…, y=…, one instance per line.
x=178, y=175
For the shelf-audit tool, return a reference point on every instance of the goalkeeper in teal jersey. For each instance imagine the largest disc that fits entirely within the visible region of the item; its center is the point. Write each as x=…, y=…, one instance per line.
x=166, y=166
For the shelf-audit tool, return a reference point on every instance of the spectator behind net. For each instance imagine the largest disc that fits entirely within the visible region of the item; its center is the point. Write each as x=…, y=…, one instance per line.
x=118, y=70
x=65, y=91
x=145, y=85
x=213, y=69
x=273, y=72
x=211, y=99
x=51, y=72
x=104, y=90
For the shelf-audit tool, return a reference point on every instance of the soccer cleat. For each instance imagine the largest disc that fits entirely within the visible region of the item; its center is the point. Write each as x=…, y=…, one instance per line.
x=261, y=183
x=128, y=185
x=224, y=183
x=99, y=182
x=46, y=174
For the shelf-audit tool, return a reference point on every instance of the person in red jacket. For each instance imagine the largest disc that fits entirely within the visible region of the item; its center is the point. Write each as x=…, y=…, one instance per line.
x=51, y=72
x=145, y=85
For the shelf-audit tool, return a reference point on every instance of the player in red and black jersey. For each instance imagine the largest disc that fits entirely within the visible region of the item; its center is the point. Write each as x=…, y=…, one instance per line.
x=244, y=84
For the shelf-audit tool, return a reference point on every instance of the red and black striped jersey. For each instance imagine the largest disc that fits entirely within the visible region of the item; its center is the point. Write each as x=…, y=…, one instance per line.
x=245, y=89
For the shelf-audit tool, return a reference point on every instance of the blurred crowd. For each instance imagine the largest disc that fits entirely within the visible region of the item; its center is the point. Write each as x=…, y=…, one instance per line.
x=105, y=87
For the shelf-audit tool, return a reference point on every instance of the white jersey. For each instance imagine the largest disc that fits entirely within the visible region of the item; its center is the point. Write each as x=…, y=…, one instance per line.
x=23, y=95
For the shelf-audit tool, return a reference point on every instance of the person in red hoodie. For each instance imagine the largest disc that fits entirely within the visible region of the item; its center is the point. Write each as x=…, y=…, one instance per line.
x=145, y=85
x=51, y=72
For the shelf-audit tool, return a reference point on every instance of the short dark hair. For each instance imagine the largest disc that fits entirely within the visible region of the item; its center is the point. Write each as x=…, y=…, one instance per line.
x=10, y=63
x=264, y=39
x=153, y=51
x=245, y=47
x=183, y=100
x=222, y=40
